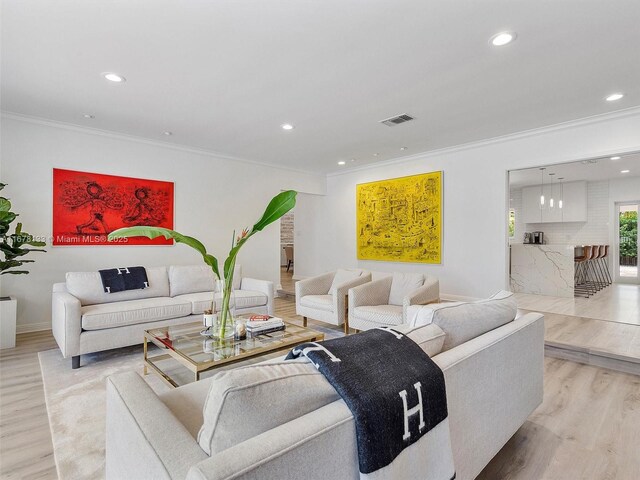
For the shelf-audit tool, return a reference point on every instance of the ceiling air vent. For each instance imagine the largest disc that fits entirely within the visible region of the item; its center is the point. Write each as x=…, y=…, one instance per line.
x=397, y=120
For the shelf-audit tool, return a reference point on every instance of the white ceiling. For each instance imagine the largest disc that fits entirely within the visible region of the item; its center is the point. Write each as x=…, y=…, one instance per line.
x=224, y=75
x=591, y=170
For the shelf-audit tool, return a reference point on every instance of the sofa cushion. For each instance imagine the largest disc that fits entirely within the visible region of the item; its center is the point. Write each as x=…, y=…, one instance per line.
x=247, y=401
x=402, y=285
x=249, y=298
x=185, y=279
x=383, y=315
x=131, y=312
x=462, y=321
x=321, y=302
x=343, y=276
x=87, y=287
x=199, y=301
x=430, y=337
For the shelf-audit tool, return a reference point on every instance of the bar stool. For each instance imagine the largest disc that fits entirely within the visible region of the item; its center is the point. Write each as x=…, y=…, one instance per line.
x=604, y=264
x=592, y=267
x=581, y=285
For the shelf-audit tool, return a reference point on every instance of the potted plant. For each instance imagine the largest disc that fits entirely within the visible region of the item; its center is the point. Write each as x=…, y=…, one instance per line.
x=13, y=247
x=278, y=206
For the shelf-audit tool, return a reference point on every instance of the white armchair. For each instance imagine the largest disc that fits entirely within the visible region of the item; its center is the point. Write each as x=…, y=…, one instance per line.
x=323, y=297
x=384, y=302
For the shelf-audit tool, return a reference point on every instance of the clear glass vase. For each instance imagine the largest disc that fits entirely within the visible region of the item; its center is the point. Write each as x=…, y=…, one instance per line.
x=224, y=327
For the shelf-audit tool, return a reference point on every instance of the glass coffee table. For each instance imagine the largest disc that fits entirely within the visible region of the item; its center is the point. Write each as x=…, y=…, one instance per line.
x=200, y=354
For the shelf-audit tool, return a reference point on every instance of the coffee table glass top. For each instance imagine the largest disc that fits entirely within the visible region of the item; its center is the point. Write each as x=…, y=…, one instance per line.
x=202, y=351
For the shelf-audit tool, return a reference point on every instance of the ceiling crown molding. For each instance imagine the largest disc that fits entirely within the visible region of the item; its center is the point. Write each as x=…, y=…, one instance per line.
x=132, y=138
x=534, y=132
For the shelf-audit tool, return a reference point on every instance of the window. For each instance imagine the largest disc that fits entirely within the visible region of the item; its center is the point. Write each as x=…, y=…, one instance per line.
x=512, y=223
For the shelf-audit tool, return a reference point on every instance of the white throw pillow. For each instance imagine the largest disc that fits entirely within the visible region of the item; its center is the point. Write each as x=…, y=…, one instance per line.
x=464, y=321
x=430, y=338
x=247, y=401
x=402, y=285
x=190, y=279
x=343, y=276
x=418, y=315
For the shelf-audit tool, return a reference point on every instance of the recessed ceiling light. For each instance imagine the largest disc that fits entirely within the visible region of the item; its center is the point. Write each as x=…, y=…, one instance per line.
x=114, y=77
x=615, y=158
x=287, y=126
x=87, y=115
x=353, y=159
x=376, y=154
x=167, y=133
x=503, y=38
x=342, y=162
x=403, y=148
x=614, y=96
x=624, y=171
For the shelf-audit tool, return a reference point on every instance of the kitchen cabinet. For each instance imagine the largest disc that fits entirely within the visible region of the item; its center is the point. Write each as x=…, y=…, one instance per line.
x=574, y=203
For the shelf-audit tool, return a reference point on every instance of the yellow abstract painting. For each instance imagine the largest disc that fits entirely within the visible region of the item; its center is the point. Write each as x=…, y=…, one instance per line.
x=400, y=219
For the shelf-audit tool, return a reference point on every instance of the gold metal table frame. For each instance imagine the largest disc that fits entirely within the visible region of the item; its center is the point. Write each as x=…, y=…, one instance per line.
x=200, y=354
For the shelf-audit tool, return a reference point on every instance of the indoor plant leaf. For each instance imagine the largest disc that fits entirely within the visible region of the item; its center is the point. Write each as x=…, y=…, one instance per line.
x=278, y=206
x=154, y=232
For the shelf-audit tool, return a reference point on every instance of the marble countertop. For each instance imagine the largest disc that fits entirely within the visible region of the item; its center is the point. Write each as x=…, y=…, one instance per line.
x=545, y=269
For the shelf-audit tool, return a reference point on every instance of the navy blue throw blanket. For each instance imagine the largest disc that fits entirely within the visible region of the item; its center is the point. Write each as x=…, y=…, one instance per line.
x=394, y=390
x=125, y=278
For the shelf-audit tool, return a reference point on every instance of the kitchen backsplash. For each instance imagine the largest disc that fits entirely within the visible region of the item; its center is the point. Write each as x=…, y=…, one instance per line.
x=594, y=231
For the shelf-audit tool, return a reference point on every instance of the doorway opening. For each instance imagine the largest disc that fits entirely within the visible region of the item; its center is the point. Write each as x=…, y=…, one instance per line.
x=626, y=232
x=287, y=241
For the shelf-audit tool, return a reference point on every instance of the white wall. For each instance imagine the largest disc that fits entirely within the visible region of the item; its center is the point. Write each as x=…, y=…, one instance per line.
x=213, y=196
x=475, y=198
x=309, y=236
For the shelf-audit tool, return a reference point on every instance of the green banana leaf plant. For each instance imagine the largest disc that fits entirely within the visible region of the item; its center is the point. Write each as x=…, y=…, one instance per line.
x=278, y=206
x=13, y=245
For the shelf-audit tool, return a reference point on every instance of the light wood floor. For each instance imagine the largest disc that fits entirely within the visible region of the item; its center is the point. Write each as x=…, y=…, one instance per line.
x=587, y=428
x=616, y=303
x=286, y=281
x=26, y=451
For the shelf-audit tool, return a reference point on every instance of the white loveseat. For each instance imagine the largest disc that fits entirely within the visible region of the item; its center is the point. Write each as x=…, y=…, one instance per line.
x=281, y=420
x=85, y=319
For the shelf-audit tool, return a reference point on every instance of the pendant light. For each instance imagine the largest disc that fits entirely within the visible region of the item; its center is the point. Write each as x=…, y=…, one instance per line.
x=542, y=187
x=551, y=199
x=561, y=192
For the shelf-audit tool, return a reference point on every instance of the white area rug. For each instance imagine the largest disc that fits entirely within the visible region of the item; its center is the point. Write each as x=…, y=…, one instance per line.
x=76, y=401
x=76, y=405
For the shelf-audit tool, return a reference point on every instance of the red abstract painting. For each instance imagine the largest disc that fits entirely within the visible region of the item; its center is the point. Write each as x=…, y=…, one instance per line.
x=88, y=206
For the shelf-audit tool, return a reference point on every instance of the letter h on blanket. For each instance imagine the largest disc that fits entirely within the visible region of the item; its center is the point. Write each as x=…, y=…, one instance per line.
x=369, y=371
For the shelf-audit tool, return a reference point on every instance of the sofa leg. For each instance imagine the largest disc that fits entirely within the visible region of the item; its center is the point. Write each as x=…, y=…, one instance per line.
x=75, y=362
x=304, y=321
x=346, y=326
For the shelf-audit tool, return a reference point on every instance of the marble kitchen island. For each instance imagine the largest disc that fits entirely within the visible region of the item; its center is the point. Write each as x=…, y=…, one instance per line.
x=542, y=269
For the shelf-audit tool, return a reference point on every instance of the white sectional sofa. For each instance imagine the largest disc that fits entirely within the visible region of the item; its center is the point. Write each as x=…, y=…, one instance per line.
x=281, y=420
x=85, y=319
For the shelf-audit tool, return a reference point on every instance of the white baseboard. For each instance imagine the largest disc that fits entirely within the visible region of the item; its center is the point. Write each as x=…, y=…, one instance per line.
x=33, y=327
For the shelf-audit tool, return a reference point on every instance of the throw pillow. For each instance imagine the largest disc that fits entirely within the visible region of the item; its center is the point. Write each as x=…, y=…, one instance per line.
x=247, y=401
x=463, y=321
x=430, y=338
x=402, y=285
x=343, y=276
x=190, y=279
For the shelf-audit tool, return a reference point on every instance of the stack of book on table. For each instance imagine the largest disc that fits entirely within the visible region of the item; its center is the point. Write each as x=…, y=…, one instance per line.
x=259, y=324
